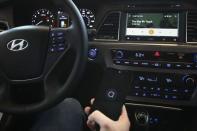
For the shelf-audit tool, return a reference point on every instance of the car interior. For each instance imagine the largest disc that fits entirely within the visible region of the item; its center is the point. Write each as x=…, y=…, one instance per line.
x=140, y=53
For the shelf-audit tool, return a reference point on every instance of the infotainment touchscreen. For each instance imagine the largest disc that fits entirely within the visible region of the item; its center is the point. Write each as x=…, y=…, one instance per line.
x=153, y=24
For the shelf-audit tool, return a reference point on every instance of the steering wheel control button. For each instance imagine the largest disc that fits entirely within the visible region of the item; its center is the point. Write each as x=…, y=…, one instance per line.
x=92, y=53
x=57, y=42
x=111, y=94
x=60, y=34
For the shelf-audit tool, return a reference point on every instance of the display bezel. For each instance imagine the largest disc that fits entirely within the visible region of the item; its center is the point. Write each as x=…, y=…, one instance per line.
x=181, y=29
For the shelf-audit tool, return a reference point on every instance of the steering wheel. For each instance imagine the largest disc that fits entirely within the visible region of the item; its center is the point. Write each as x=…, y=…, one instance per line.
x=39, y=65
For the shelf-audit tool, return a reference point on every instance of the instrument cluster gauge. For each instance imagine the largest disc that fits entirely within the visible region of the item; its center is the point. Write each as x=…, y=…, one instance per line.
x=89, y=18
x=43, y=17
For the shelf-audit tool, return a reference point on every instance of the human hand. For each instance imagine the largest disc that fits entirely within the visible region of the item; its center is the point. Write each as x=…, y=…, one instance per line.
x=105, y=123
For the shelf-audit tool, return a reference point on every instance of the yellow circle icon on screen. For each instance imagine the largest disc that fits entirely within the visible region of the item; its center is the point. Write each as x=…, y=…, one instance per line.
x=151, y=32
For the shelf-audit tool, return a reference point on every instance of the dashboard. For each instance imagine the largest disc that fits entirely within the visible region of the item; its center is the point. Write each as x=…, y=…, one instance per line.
x=152, y=38
x=155, y=41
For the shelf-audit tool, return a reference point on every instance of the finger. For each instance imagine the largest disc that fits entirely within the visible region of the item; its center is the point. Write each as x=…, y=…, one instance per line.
x=92, y=101
x=91, y=125
x=100, y=119
x=124, y=114
x=87, y=110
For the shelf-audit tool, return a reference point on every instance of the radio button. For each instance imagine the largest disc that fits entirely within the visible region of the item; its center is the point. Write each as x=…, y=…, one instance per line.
x=187, y=91
x=145, y=88
x=155, y=95
x=188, y=66
x=165, y=96
x=174, y=91
x=151, y=89
x=168, y=65
x=145, y=94
x=127, y=63
x=168, y=81
x=135, y=63
x=145, y=64
x=166, y=90
x=118, y=62
x=179, y=66
x=156, y=65
x=174, y=97
x=158, y=89
x=152, y=79
x=141, y=78
x=137, y=87
x=136, y=94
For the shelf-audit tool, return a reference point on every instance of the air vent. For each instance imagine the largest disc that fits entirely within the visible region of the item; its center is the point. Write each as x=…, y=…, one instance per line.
x=3, y=26
x=109, y=30
x=192, y=26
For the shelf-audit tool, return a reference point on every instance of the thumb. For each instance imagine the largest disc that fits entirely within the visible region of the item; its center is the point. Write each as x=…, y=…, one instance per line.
x=100, y=119
x=124, y=115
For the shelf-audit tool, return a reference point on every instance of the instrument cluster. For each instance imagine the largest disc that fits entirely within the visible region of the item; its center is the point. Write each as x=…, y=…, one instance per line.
x=45, y=17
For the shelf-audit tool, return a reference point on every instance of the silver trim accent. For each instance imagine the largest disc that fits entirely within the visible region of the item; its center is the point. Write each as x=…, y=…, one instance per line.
x=118, y=28
x=17, y=45
x=186, y=30
x=154, y=106
x=136, y=43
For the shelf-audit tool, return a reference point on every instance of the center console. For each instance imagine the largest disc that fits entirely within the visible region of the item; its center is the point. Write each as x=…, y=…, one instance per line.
x=167, y=86
x=157, y=46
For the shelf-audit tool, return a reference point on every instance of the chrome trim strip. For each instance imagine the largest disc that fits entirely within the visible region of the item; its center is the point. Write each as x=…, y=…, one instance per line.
x=135, y=43
x=154, y=106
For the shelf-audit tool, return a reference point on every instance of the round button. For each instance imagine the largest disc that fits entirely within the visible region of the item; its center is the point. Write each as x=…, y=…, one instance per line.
x=142, y=118
x=119, y=54
x=111, y=94
x=189, y=81
x=92, y=53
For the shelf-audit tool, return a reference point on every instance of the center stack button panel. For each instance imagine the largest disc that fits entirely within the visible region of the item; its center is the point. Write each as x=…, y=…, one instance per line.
x=163, y=86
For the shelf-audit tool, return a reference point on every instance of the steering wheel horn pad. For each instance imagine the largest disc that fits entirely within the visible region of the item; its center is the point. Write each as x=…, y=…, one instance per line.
x=18, y=59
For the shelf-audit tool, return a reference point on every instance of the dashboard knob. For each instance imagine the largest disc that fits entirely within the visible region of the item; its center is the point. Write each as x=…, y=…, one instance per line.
x=92, y=53
x=142, y=118
x=189, y=81
x=119, y=54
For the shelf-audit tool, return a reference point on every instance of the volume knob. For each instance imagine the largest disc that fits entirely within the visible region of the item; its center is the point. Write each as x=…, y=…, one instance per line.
x=119, y=54
x=189, y=81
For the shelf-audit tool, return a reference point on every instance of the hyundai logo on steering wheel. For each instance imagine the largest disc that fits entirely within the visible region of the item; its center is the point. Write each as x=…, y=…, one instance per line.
x=17, y=45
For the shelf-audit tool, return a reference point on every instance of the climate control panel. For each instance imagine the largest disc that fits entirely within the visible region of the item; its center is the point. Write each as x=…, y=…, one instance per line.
x=163, y=86
x=155, y=59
